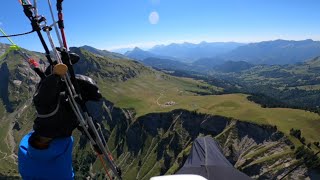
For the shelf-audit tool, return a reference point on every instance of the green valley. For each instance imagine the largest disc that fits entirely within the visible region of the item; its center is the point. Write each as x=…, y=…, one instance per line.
x=148, y=94
x=143, y=107
x=151, y=91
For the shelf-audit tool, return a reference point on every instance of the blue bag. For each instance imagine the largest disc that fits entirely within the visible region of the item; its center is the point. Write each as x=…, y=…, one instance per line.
x=49, y=164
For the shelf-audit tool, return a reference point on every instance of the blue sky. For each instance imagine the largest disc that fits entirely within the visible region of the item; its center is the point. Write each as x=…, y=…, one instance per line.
x=111, y=24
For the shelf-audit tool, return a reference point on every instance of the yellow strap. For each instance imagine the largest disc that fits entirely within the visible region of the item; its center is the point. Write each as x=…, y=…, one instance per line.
x=14, y=47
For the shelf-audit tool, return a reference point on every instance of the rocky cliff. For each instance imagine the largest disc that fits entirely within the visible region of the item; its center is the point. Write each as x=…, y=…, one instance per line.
x=159, y=143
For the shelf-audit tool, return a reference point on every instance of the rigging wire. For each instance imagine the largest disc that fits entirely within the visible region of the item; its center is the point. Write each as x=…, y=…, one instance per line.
x=20, y=34
x=35, y=23
x=74, y=105
x=105, y=151
x=35, y=6
x=29, y=11
x=32, y=63
x=104, y=166
x=61, y=23
x=55, y=25
x=71, y=83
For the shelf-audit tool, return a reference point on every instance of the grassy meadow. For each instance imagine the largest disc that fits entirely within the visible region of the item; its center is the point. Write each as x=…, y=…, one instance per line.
x=148, y=94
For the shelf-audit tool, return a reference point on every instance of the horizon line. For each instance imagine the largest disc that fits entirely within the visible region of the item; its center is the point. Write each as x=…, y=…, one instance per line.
x=149, y=45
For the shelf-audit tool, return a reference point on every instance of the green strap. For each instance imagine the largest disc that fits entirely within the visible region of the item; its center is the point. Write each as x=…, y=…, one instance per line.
x=2, y=31
x=13, y=45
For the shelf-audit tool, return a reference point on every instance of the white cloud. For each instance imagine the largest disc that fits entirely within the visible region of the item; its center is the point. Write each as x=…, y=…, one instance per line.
x=154, y=17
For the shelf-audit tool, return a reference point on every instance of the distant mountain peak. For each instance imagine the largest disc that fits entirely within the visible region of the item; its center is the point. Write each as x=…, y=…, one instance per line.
x=90, y=47
x=137, y=49
x=309, y=40
x=86, y=46
x=138, y=54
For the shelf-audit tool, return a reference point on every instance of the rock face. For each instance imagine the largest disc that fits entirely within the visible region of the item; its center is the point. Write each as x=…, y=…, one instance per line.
x=3, y=48
x=159, y=143
x=4, y=87
x=17, y=80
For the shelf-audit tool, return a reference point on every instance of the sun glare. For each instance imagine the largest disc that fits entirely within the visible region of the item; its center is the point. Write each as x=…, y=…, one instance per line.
x=154, y=17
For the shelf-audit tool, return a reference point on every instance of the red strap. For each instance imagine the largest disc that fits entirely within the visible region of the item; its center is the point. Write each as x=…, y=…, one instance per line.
x=110, y=157
x=33, y=63
x=60, y=16
x=104, y=166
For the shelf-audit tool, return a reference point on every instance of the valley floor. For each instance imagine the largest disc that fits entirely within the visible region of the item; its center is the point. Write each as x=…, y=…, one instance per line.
x=144, y=95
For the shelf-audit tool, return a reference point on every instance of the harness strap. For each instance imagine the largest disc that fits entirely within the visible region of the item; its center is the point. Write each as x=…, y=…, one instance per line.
x=53, y=112
x=20, y=34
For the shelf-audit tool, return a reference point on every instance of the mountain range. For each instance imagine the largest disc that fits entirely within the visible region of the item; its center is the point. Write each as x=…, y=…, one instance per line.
x=208, y=55
x=189, y=52
x=275, y=52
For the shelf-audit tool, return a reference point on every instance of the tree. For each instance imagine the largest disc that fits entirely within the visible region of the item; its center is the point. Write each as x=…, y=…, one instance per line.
x=309, y=145
x=296, y=133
